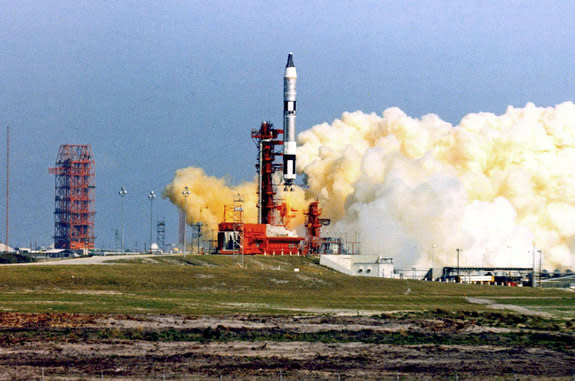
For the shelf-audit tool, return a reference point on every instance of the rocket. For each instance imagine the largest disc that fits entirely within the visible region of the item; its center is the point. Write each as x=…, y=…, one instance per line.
x=290, y=77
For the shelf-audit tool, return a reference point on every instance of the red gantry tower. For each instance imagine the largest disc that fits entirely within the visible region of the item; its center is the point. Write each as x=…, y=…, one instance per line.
x=74, y=211
x=266, y=142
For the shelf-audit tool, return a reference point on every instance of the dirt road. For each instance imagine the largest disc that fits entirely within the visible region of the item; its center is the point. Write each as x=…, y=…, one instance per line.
x=93, y=260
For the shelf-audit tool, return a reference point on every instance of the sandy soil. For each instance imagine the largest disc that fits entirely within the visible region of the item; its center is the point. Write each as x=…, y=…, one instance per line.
x=78, y=346
x=510, y=307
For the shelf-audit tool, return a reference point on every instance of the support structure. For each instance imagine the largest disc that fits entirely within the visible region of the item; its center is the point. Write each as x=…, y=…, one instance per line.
x=74, y=202
x=266, y=141
x=268, y=236
x=313, y=228
x=314, y=243
x=161, y=234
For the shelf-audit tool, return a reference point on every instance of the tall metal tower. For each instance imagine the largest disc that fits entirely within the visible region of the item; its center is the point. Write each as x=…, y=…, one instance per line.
x=161, y=234
x=74, y=211
x=266, y=143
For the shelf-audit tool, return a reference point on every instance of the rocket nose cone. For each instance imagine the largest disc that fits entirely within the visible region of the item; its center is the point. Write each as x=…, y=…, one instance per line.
x=290, y=60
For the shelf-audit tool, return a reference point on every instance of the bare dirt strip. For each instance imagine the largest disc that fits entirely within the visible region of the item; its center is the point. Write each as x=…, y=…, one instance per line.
x=244, y=347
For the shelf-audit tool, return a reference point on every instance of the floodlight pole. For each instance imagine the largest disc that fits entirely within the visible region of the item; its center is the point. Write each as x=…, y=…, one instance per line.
x=540, y=264
x=123, y=192
x=151, y=197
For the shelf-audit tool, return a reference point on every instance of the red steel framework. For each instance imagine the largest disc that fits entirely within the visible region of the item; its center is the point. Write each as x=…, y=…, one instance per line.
x=74, y=210
x=269, y=235
x=314, y=242
x=266, y=140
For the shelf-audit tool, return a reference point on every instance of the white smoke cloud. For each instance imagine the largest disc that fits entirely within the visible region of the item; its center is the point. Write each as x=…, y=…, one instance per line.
x=420, y=188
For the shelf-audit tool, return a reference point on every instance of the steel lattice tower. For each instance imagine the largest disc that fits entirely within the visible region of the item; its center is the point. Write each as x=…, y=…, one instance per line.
x=161, y=234
x=74, y=203
x=264, y=138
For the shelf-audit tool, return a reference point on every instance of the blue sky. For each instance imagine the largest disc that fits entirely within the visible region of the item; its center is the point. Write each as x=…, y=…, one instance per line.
x=154, y=86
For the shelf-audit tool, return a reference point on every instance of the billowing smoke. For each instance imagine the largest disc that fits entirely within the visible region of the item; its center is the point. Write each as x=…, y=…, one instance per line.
x=419, y=189
x=209, y=196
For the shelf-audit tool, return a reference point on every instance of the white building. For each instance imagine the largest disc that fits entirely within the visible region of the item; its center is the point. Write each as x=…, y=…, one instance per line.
x=5, y=249
x=360, y=265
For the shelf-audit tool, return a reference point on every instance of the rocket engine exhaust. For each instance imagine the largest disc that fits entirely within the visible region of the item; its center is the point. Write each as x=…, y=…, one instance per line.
x=495, y=187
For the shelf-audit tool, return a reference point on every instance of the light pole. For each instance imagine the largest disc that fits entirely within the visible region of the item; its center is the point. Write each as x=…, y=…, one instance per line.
x=458, y=277
x=186, y=192
x=540, y=262
x=123, y=192
x=151, y=197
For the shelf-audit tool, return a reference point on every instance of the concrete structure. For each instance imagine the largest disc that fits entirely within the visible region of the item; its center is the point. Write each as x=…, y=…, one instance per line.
x=360, y=265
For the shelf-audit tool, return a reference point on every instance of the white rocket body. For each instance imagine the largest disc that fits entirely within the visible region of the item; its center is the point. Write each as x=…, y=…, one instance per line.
x=290, y=78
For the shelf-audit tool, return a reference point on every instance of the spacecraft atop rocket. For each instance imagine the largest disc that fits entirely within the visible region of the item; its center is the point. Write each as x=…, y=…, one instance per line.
x=271, y=234
x=290, y=78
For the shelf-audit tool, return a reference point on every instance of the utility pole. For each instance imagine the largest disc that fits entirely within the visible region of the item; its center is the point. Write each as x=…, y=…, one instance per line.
x=533, y=284
x=7, y=185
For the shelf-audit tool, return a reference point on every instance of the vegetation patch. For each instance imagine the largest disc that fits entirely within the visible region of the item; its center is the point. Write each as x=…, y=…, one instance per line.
x=200, y=285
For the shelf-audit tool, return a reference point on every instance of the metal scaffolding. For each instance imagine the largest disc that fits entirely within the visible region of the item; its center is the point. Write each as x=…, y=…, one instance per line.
x=161, y=234
x=266, y=141
x=74, y=202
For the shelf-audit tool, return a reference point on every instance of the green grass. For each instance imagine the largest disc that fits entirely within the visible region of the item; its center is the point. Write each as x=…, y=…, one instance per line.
x=218, y=285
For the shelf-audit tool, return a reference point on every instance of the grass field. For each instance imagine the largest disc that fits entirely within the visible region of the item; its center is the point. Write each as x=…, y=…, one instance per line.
x=265, y=285
x=202, y=317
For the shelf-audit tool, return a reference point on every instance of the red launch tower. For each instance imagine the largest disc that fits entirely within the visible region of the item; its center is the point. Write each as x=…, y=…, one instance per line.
x=269, y=235
x=74, y=202
x=265, y=139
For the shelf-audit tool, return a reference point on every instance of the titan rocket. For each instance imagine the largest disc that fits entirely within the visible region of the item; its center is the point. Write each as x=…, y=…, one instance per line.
x=290, y=77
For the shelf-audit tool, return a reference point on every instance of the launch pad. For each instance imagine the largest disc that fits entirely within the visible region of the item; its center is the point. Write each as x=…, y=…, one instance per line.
x=270, y=235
